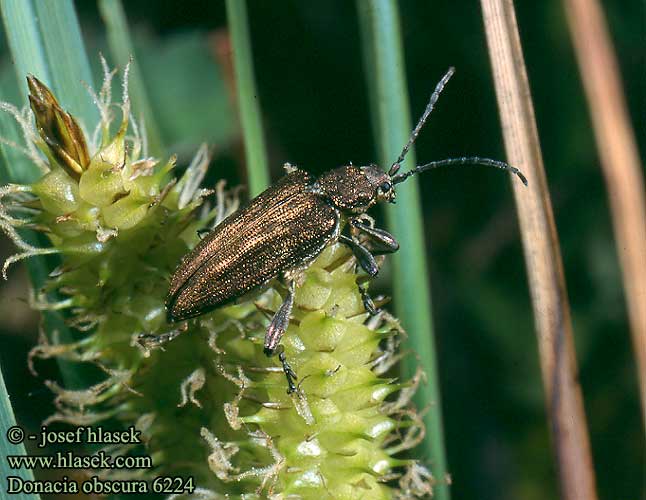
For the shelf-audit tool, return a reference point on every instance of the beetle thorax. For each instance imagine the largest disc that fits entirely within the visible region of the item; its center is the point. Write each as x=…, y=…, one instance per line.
x=355, y=188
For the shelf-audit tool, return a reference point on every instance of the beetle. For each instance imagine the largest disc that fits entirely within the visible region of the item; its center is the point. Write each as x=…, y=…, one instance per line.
x=282, y=230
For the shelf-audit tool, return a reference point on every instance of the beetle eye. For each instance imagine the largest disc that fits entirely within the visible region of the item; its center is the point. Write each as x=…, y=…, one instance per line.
x=385, y=187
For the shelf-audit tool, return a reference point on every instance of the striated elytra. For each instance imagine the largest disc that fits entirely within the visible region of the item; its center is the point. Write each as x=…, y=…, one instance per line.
x=287, y=226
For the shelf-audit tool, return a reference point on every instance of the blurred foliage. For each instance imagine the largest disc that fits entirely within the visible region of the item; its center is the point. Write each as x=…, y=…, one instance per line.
x=312, y=89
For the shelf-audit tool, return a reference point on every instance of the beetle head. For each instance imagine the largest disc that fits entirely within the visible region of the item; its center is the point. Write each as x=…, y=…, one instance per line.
x=357, y=188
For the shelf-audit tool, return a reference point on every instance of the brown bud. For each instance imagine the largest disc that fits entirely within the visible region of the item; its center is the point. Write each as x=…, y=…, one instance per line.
x=58, y=129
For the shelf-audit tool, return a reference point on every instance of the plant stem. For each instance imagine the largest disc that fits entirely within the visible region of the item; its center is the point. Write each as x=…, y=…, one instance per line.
x=248, y=102
x=384, y=61
x=542, y=255
x=619, y=160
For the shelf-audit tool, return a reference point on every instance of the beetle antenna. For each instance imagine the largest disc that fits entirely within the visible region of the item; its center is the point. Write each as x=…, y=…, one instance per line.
x=429, y=107
x=465, y=160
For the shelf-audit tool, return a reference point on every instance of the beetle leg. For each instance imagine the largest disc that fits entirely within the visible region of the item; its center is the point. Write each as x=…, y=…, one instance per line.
x=275, y=331
x=289, y=373
x=279, y=322
x=368, y=303
x=148, y=342
x=383, y=238
x=364, y=257
x=202, y=232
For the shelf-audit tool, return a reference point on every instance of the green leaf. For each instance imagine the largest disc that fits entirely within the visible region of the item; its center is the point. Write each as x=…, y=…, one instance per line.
x=248, y=97
x=7, y=420
x=29, y=57
x=66, y=57
x=384, y=59
x=191, y=103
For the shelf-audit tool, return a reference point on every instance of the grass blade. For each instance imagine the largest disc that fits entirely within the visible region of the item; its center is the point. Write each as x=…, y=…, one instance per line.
x=122, y=50
x=619, y=160
x=25, y=43
x=23, y=36
x=542, y=255
x=384, y=58
x=30, y=56
x=66, y=57
x=7, y=420
x=255, y=150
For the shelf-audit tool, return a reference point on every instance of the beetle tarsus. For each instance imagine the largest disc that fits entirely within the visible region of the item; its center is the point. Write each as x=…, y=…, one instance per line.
x=148, y=342
x=364, y=257
x=290, y=375
x=368, y=303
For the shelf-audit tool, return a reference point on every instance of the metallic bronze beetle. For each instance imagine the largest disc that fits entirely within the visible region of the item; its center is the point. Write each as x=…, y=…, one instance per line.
x=286, y=227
